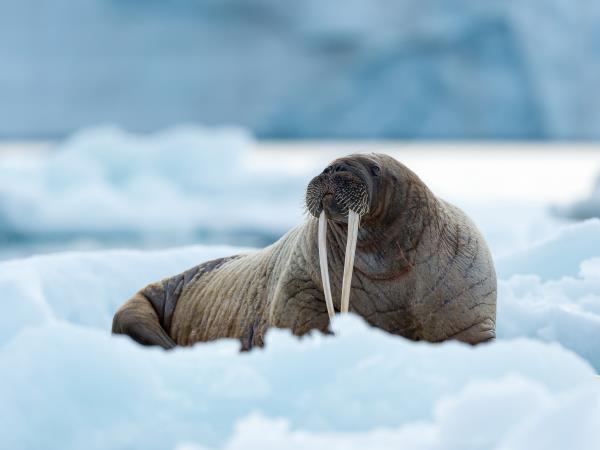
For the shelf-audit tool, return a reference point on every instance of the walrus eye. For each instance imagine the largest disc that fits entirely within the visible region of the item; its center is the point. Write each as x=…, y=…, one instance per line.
x=375, y=171
x=327, y=169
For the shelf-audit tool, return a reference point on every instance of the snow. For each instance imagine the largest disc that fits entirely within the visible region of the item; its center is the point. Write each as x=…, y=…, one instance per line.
x=360, y=68
x=68, y=384
x=558, y=255
x=520, y=414
x=584, y=208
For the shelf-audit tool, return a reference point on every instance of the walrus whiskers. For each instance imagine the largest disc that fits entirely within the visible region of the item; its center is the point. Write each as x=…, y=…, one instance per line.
x=353, y=220
x=323, y=263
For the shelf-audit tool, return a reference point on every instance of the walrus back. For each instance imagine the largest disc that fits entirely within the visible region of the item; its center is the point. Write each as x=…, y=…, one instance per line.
x=147, y=316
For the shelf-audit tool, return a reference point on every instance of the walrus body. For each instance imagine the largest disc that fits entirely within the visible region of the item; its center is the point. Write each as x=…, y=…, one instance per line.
x=422, y=270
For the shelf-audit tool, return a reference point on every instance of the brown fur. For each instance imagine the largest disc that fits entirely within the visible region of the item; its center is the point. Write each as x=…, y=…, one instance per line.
x=422, y=270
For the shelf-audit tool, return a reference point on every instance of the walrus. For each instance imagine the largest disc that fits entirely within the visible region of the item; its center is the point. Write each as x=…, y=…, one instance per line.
x=375, y=237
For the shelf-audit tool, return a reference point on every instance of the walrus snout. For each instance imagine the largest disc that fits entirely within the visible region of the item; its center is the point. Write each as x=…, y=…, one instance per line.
x=337, y=191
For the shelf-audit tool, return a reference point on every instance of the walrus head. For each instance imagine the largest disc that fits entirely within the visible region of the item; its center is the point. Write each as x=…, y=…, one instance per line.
x=345, y=185
x=344, y=192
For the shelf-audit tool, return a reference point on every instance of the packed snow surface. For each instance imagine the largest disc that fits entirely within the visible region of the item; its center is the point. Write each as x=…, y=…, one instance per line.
x=68, y=384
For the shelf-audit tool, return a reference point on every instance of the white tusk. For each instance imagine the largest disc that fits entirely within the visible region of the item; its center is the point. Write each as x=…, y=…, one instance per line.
x=323, y=262
x=353, y=219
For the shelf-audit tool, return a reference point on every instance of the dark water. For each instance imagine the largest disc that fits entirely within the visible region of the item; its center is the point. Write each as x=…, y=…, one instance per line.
x=15, y=244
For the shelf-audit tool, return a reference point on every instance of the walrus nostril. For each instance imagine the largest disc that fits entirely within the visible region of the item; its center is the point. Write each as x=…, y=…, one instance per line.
x=340, y=167
x=335, y=168
x=332, y=206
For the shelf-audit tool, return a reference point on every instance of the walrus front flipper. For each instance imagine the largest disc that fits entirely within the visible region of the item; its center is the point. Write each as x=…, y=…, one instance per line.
x=138, y=319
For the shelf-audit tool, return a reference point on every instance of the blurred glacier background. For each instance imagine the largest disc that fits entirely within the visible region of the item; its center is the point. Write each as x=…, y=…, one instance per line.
x=313, y=69
x=141, y=137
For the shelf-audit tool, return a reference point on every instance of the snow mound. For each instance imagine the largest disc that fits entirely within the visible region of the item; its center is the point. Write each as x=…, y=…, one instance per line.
x=559, y=255
x=78, y=387
x=582, y=209
x=507, y=413
x=566, y=310
x=65, y=377
x=551, y=291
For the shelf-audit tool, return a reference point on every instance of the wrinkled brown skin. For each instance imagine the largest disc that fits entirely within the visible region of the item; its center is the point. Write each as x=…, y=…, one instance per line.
x=422, y=271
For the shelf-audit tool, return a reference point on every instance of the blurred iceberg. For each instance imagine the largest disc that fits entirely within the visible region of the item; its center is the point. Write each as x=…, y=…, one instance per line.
x=105, y=186
x=65, y=377
x=376, y=68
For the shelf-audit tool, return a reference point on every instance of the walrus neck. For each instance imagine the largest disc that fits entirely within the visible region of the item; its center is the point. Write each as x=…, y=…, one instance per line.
x=388, y=240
